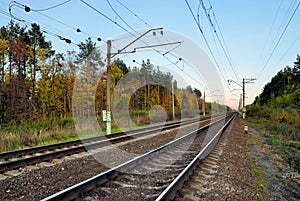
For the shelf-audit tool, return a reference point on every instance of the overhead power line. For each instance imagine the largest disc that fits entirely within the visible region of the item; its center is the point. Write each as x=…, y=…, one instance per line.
x=287, y=50
x=134, y=14
x=279, y=39
x=78, y=30
x=269, y=33
x=205, y=40
x=225, y=50
x=15, y=3
x=105, y=16
x=51, y=7
x=112, y=8
x=130, y=27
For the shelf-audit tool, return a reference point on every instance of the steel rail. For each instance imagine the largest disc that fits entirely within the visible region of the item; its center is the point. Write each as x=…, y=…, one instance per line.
x=78, y=190
x=81, y=146
x=27, y=151
x=170, y=192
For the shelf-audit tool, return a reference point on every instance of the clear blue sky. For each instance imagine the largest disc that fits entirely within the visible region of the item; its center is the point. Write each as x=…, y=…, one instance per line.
x=250, y=28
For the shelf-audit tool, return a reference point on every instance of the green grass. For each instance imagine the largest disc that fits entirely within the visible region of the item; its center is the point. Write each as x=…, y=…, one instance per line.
x=30, y=134
x=288, y=149
x=281, y=144
x=260, y=177
x=19, y=137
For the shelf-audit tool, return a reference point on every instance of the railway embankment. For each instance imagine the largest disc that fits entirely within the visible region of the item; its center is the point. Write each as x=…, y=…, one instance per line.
x=278, y=179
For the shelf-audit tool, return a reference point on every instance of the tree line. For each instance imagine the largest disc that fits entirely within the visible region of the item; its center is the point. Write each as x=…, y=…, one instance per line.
x=284, y=88
x=279, y=103
x=278, y=109
x=36, y=82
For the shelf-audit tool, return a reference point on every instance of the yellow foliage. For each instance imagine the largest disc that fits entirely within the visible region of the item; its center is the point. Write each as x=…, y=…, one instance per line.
x=41, y=53
x=116, y=72
x=4, y=46
x=288, y=115
x=30, y=51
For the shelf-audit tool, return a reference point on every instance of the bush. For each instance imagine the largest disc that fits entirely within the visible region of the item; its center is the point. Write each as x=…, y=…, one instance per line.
x=65, y=122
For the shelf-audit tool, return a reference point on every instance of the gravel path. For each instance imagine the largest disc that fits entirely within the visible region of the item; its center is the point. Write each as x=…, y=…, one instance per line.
x=234, y=178
x=246, y=170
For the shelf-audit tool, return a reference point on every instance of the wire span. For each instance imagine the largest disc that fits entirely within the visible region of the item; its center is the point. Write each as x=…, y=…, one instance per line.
x=279, y=39
x=225, y=50
x=205, y=40
x=134, y=13
x=55, y=6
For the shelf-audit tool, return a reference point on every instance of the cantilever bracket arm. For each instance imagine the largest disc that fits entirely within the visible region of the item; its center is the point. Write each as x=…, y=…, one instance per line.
x=121, y=50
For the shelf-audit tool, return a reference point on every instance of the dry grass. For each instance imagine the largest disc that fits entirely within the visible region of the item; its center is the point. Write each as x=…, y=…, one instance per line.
x=29, y=138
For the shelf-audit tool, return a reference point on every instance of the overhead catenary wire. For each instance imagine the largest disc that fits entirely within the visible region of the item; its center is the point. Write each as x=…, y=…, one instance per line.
x=167, y=51
x=217, y=49
x=287, y=50
x=226, y=53
x=278, y=41
x=78, y=30
x=112, y=8
x=52, y=7
x=175, y=63
x=39, y=11
x=205, y=40
x=219, y=28
x=12, y=4
x=221, y=33
x=5, y=13
x=122, y=27
x=105, y=16
x=134, y=14
x=270, y=31
x=285, y=18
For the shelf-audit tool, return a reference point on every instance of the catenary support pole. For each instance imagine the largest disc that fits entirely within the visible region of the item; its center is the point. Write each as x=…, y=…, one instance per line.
x=108, y=106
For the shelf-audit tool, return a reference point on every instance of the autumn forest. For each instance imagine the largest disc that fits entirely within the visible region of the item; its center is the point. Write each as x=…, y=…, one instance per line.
x=36, y=82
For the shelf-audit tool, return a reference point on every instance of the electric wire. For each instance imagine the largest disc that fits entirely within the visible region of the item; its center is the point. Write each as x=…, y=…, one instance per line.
x=167, y=51
x=163, y=54
x=205, y=40
x=105, y=16
x=187, y=74
x=58, y=21
x=219, y=28
x=78, y=30
x=52, y=33
x=285, y=18
x=287, y=50
x=121, y=25
x=217, y=49
x=218, y=38
x=278, y=41
x=5, y=13
x=198, y=12
x=134, y=13
x=55, y=6
x=170, y=52
x=62, y=38
x=270, y=30
x=220, y=31
x=118, y=15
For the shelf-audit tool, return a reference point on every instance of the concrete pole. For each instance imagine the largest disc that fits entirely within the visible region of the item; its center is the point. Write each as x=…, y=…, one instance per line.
x=244, y=113
x=173, y=100
x=108, y=106
x=203, y=104
x=243, y=92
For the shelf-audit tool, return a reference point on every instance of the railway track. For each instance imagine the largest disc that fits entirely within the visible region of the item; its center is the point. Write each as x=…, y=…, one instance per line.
x=155, y=175
x=16, y=159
